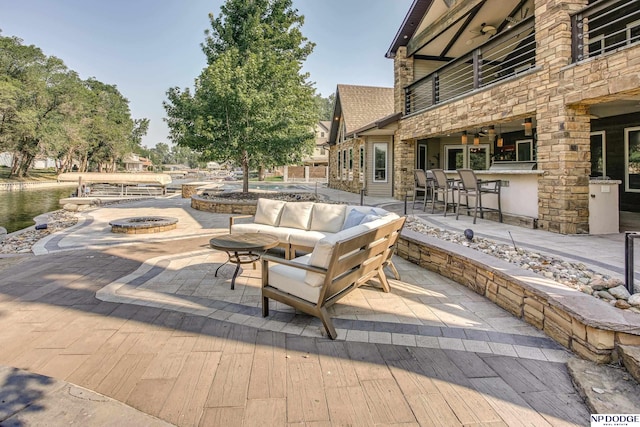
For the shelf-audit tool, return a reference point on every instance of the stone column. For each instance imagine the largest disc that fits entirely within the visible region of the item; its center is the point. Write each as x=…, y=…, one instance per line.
x=403, y=150
x=563, y=142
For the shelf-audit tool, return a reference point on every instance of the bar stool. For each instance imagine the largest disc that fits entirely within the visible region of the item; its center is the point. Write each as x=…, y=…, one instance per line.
x=442, y=185
x=470, y=186
x=421, y=186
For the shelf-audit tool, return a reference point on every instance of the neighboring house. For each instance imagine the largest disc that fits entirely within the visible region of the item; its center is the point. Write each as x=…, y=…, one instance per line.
x=314, y=167
x=320, y=155
x=361, y=140
x=135, y=163
x=535, y=83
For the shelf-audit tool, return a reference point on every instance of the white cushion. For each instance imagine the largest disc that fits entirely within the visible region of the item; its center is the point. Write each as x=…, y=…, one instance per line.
x=296, y=215
x=327, y=217
x=281, y=233
x=268, y=211
x=321, y=255
x=291, y=280
x=307, y=238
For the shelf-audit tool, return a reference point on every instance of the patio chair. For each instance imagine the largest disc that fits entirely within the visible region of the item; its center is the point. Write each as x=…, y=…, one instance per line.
x=442, y=186
x=470, y=186
x=421, y=186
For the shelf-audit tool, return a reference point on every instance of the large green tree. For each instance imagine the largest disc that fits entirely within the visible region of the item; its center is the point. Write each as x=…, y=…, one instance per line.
x=47, y=110
x=252, y=105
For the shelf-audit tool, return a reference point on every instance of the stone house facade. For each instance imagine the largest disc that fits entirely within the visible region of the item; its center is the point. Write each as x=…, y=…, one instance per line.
x=552, y=84
x=361, y=140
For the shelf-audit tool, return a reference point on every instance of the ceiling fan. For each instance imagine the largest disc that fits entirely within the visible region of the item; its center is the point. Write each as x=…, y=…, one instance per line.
x=484, y=30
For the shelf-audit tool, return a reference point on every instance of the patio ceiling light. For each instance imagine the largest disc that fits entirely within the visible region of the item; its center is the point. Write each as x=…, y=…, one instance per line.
x=528, y=127
x=476, y=139
x=464, y=139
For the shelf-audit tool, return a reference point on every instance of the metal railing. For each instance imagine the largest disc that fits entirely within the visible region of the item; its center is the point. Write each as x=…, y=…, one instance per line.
x=629, y=237
x=604, y=26
x=506, y=55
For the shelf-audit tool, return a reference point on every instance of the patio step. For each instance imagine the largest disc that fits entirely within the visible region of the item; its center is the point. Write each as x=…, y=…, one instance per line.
x=606, y=389
x=630, y=356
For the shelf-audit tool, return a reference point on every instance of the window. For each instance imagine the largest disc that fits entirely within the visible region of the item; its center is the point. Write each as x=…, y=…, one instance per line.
x=524, y=150
x=596, y=45
x=321, y=134
x=633, y=32
x=362, y=163
x=339, y=164
x=380, y=162
x=632, y=159
x=474, y=157
x=344, y=164
x=598, y=154
x=322, y=152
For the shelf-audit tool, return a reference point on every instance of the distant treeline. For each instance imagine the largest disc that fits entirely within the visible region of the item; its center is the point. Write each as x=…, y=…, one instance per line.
x=47, y=110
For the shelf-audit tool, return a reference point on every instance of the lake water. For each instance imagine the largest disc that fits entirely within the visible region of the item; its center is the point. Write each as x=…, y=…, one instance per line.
x=18, y=208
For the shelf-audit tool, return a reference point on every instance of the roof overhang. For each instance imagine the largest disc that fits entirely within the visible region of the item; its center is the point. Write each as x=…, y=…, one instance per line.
x=385, y=126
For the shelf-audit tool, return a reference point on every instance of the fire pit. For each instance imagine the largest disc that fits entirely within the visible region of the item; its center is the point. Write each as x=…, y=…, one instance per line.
x=143, y=224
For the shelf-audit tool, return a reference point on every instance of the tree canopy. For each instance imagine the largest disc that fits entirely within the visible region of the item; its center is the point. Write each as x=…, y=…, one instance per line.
x=252, y=105
x=47, y=110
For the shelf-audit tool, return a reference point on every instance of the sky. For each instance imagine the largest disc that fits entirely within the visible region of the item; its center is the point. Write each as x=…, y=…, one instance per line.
x=145, y=47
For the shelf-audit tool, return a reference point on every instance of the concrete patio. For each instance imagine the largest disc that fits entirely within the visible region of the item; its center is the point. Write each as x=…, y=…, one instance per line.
x=142, y=320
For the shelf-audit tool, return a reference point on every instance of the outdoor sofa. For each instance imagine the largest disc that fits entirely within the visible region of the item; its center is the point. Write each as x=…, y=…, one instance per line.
x=348, y=245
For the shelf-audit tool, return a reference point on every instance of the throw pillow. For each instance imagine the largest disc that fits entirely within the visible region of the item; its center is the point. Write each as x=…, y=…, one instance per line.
x=354, y=218
x=371, y=216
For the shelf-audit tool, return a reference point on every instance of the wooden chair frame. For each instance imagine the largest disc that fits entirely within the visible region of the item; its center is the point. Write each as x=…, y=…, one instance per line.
x=354, y=261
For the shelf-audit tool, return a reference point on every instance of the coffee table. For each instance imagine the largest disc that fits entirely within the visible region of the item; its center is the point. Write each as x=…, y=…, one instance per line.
x=243, y=248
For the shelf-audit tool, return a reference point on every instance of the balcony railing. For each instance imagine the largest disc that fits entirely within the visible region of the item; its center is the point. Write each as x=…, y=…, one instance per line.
x=605, y=26
x=506, y=55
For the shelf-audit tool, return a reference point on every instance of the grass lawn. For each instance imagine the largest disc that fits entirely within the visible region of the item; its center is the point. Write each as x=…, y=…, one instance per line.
x=32, y=175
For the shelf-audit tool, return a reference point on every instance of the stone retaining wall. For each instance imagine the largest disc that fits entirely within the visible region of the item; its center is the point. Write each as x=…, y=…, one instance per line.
x=589, y=327
x=232, y=207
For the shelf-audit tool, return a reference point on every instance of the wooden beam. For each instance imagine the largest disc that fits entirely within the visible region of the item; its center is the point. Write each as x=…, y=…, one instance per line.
x=442, y=24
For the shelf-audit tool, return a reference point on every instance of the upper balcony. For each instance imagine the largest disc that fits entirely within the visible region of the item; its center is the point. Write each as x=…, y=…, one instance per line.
x=603, y=27
x=506, y=55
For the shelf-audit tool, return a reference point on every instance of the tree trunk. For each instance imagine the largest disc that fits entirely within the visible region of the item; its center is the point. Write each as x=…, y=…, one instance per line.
x=261, y=173
x=245, y=171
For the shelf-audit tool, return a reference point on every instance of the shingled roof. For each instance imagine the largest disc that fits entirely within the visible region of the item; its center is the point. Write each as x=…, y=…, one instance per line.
x=361, y=106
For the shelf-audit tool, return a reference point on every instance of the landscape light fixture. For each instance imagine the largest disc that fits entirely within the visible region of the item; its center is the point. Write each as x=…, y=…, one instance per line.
x=464, y=139
x=476, y=139
x=528, y=127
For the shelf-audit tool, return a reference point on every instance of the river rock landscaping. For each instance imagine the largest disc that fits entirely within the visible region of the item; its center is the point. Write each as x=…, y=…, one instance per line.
x=21, y=242
x=571, y=274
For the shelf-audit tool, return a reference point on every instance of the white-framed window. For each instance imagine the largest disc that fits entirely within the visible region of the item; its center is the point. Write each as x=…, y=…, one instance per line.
x=350, y=160
x=633, y=32
x=361, y=162
x=632, y=159
x=469, y=156
x=380, y=161
x=339, y=175
x=524, y=150
x=344, y=164
x=598, y=154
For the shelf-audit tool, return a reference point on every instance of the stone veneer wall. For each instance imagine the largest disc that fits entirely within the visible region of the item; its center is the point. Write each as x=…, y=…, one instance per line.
x=353, y=186
x=231, y=207
x=589, y=327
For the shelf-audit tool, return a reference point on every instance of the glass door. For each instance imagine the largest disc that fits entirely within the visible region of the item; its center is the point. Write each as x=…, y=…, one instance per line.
x=421, y=156
x=598, y=154
x=632, y=159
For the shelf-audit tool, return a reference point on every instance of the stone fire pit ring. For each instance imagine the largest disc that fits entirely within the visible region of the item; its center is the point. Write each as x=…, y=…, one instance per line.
x=143, y=224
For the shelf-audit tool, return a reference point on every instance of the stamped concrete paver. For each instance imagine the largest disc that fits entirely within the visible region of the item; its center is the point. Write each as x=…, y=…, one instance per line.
x=108, y=317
